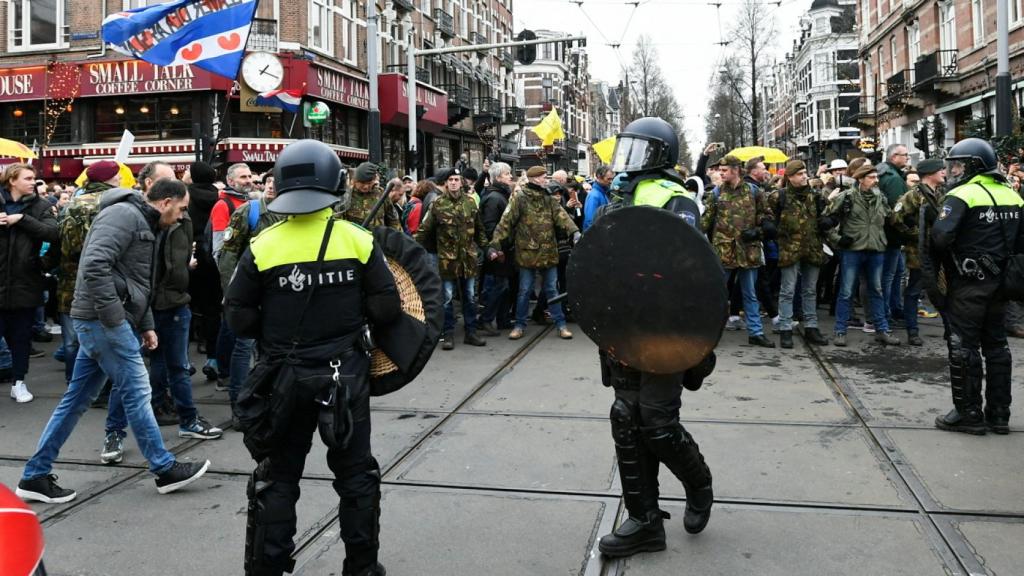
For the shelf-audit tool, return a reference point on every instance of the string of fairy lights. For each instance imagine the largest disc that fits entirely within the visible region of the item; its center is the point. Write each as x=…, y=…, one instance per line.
x=63, y=81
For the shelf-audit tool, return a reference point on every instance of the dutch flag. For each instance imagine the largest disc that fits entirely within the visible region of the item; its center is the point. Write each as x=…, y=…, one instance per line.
x=210, y=34
x=285, y=99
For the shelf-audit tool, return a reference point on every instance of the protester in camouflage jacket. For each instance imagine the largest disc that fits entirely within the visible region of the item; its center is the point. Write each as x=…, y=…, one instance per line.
x=922, y=201
x=532, y=219
x=74, y=225
x=736, y=220
x=796, y=209
x=454, y=226
x=238, y=235
x=364, y=195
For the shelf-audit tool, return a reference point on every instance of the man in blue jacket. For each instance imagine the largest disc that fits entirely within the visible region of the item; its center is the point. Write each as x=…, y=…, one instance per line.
x=598, y=195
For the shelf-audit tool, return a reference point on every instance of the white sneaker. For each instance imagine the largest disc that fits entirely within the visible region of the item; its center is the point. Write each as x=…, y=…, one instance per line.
x=868, y=328
x=733, y=324
x=20, y=393
x=775, y=323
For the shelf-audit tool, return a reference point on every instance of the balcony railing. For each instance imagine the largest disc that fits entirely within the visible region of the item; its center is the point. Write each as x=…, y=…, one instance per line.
x=939, y=65
x=478, y=38
x=422, y=74
x=458, y=96
x=404, y=5
x=515, y=115
x=445, y=23
x=507, y=60
x=897, y=87
x=488, y=110
x=262, y=36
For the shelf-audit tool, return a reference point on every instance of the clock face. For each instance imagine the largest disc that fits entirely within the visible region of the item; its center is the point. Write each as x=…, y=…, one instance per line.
x=262, y=71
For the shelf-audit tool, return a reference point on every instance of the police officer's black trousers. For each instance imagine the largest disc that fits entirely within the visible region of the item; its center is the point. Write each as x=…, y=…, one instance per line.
x=975, y=316
x=647, y=432
x=357, y=482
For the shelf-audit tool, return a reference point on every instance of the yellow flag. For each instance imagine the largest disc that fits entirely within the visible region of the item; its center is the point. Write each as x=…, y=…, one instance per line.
x=550, y=128
x=605, y=148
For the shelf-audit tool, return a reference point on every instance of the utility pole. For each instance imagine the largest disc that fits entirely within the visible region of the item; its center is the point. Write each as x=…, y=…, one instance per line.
x=1003, y=98
x=753, y=88
x=372, y=62
x=412, y=53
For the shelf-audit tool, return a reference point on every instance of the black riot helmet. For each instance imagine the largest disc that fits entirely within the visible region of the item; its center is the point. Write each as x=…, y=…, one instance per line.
x=308, y=177
x=970, y=157
x=646, y=144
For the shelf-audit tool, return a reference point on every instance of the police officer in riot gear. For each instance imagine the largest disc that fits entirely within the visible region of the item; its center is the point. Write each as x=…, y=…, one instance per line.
x=978, y=228
x=645, y=414
x=305, y=289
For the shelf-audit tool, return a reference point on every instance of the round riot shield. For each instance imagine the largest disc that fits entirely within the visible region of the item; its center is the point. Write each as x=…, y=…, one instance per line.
x=648, y=289
x=405, y=346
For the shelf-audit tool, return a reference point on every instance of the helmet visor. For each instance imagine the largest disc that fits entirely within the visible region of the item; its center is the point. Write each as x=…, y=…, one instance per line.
x=634, y=154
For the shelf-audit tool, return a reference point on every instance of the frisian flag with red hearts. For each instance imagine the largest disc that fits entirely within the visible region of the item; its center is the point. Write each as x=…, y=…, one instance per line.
x=209, y=34
x=285, y=99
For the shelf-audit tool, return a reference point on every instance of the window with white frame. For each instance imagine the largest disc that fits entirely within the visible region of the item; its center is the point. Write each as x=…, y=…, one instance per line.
x=36, y=24
x=1016, y=14
x=865, y=15
x=321, y=25
x=350, y=32
x=892, y=54
x=978, y=21
x=826, y=114
x=464, y=23
x=914, y=42
x=947, y=26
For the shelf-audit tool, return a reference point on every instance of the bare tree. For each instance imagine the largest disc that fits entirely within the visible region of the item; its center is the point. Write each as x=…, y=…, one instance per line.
x=650, y=94
x=752, y=32
x=728, y=111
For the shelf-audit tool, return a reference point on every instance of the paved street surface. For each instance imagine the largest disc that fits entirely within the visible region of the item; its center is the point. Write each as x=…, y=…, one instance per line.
x=499, y=461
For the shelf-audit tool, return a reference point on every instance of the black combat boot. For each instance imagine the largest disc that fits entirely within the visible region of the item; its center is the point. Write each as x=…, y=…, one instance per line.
x=786, y=339
x=760, y=340
x=447, y=343
x=473, y=340
x=914, y=338
x=965, y=383
x=698, y=508
x=635, y=535
x=997, y=419
x=813, y=336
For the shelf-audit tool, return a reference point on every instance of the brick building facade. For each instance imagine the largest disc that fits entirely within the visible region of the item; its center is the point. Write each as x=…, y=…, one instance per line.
x=931, y=66
x=60, y=90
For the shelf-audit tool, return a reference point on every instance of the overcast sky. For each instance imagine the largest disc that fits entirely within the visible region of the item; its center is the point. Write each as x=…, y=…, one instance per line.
x=685, y=32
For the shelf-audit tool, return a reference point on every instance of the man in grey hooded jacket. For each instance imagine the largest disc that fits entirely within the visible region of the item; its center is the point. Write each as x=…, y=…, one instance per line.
x=111, y=307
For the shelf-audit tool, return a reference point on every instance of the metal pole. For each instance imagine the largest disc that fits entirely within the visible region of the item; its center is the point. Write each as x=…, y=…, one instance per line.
x=1003, y=99
x=374, y=136
x=411, y=56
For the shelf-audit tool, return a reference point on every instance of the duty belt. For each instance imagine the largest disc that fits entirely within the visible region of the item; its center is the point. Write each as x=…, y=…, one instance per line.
x=977, y=268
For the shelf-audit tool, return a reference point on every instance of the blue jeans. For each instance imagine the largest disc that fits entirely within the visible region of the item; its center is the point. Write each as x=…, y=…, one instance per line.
x=468, y=292
x=747, y=279
x=169, y=363
x=70, y=339
x=808, y=275
x=104, y=352
x=549, y=281
x=871, y=262
x=495, y=288
x=892, y=281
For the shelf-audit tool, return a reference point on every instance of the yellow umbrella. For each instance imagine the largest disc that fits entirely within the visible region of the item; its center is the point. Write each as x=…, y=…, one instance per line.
x=14, y=149
x=127, y=178
x=771, y=155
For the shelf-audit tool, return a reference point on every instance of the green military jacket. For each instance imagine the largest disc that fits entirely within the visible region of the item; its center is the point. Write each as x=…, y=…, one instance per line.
x=73, y=226
x=531, y=220
x=238, y=235
x=360, y=205
x=796, y=211
x=729, y=212
x=863, y=222
x=455, y=227
x=906, y=221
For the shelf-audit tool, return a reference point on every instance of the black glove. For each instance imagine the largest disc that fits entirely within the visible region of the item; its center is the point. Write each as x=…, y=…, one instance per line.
x=826, y=223
x=751, y=235
x=693, y=379
x=768, y=230
x=845, y=242
x=847, y=206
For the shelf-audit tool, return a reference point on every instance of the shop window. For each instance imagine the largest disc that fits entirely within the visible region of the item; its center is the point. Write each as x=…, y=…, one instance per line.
x=147, y=117
x=36, y=25
x=22, y=121
x=259, y=125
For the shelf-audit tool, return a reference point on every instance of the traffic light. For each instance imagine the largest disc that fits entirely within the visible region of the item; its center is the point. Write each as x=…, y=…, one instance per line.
x=526, y=54
x=921, y=139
